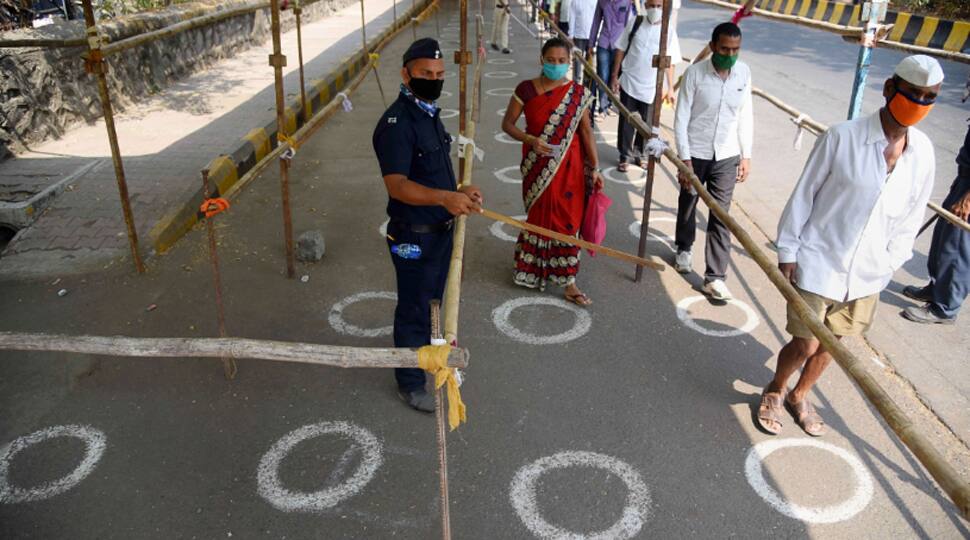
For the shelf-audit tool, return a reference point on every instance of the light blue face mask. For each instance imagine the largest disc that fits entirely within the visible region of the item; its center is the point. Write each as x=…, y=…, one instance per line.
x=554, y=72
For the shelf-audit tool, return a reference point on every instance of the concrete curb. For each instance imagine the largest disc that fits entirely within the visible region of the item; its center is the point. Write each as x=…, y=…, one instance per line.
x=226, y=170
x=919, y=30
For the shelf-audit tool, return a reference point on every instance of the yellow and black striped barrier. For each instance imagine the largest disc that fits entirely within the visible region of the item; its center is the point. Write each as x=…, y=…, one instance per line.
x=910, y=29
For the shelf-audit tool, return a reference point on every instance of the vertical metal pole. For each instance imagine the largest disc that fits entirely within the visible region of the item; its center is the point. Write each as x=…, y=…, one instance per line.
x=278, y=60
x=414, y=21
x=661, y=61
x=441, y=429
x=95, y=63
x=874, y=11
x=463, y=58
x=298, y=11
x=363, y=34
x=228, y=364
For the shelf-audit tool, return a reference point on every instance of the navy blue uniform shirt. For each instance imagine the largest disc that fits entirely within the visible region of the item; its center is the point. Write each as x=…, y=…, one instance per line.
x=963, y=157
x=411, y=142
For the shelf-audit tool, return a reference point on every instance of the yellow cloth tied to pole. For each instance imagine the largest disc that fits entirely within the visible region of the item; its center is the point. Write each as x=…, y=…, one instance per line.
x=374, y=58
x=434, y=360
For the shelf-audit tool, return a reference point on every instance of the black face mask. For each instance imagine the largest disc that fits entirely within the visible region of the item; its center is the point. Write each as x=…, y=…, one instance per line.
x=426, y=89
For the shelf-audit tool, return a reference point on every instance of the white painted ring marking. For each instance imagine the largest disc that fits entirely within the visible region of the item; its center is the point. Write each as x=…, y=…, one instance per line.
x=498, y=232
x=501, y=315
x=383, y=228
x=95, y=442
x=503, y=175
x=750, y=323
x=501, y=75
x=623, y=180
x=448, y=113
x=336, y=317
x=652, y=236
x=271, y=488
x=503, y=137
x=450, y=74
x=500, y=92
x=827, y=514
x=501, y=112
x=445, y=94
x=501, y=61
x=523, y=496
x=604, y=139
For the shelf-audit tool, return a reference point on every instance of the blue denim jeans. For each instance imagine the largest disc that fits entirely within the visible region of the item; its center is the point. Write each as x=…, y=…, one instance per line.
x=604, y=68
x=949, y=259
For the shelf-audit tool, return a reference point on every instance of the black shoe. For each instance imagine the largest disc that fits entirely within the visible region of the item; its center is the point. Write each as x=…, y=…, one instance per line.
x=494, y=46
x=926, y=315
x=920, y=294
x=506, y=51
x=419, y=400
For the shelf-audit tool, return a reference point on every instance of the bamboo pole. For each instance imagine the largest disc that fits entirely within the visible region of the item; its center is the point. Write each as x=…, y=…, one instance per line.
x=278, y=60
x=661, y=62
x=96, y=64
x=228, y=364
x=949, y=216
x=442, y=433
x=572, y=240
x=456, y=265
x=462, y=58
x=237, y=348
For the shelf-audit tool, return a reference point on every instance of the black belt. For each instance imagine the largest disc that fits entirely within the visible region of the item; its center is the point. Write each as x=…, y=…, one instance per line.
x=418, y=228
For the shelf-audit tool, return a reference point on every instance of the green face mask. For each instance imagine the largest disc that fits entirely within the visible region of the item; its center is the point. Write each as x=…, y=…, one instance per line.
x=722, y=61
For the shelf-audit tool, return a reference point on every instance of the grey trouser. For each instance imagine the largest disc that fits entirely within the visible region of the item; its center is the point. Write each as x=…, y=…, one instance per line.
x=719, y=177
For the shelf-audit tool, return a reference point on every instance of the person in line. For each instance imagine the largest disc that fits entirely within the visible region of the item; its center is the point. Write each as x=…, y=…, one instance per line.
x=500, y=26
x=949, y=260
x=414, y=152
x=609, y=20
x=558, y=167
x=561, y=11
x=637, y=84
x=849, y=225
x=714, y=130
x=581, y=19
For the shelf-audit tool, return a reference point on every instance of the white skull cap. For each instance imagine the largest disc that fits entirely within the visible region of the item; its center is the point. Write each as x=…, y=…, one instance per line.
x=920, y=70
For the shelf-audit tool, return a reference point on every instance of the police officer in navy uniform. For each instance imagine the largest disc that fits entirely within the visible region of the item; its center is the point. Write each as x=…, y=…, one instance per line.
x=414, y=152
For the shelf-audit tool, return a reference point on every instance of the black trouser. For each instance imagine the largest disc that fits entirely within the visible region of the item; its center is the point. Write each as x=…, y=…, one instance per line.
x=719, y=177
x=418, y=282
x=629, y=142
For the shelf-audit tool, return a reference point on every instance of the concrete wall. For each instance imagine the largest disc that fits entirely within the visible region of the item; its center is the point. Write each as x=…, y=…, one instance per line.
x=45, y=91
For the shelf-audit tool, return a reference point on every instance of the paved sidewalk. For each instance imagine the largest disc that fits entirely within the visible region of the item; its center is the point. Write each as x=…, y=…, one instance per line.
x=165, y=141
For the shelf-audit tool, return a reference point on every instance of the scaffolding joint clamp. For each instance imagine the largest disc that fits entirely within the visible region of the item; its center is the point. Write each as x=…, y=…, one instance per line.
x=661, y=62
x=277, y=60
x=463, y=57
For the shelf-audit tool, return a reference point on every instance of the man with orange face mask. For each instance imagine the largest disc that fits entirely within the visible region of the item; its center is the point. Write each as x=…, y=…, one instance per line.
x=849, y=225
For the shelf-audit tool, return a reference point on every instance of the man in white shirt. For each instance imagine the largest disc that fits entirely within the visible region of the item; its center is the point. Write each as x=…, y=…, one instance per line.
x=637, y=84
x=714, y=131
x=849, y=225
x=580, y=20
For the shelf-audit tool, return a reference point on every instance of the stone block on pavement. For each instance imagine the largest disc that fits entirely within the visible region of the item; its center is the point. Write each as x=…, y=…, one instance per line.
x=310, y=246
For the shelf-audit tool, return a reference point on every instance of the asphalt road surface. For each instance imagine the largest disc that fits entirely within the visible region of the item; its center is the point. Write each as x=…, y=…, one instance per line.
x=630, y=419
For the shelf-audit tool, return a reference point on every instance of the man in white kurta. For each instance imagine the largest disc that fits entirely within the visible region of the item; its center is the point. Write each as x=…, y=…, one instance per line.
x=849, y=225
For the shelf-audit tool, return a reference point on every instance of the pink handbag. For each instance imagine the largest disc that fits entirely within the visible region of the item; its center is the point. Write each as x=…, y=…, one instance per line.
x=594, y=220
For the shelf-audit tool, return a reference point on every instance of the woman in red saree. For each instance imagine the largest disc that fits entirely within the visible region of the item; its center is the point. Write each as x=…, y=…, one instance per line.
x=557, y=169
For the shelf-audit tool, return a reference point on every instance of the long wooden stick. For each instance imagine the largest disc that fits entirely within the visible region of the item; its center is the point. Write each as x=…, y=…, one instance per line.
x=949, y=216
x=572, y=240
x=258, y=349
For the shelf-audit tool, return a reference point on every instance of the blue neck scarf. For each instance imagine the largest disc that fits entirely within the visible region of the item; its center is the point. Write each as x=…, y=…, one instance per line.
x=429, y=108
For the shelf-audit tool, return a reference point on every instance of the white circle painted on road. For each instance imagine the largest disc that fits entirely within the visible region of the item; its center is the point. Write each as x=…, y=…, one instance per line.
x=501, y=75
x=498, y=232
x=94, y=440
x=523, y=496
x=501, y=61
x=448, y=113
x=270, y=487
x=445, y=94
x=502, y=314
x=750, y=323
x=505, y=174
x=606, y=137
x=504, y=137
x=501, y=112
x=336, y=317
x=450, y=74
x=827, y=514
x=652, y=236
x=500, y=92
x=383, y=228
x=611, y=172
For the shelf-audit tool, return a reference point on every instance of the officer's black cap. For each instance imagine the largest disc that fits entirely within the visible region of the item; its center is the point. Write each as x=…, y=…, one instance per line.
x=423, y=48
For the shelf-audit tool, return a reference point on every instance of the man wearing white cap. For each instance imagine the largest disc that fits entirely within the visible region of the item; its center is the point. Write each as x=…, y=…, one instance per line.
x=849, y=225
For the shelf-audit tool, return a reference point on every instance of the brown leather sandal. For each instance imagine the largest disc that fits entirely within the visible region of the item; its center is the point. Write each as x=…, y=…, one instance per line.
x=806, y=417
x=770, y=410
